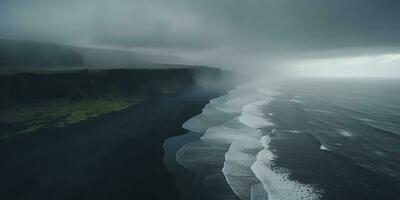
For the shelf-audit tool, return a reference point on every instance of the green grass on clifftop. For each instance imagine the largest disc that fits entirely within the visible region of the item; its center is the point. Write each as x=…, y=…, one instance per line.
x=60, y=112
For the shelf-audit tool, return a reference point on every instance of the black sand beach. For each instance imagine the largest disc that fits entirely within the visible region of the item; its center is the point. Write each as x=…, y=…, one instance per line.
x=114, y=156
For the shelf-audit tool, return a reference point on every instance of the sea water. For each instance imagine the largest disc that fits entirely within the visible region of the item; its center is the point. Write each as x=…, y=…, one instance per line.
x=299, y=139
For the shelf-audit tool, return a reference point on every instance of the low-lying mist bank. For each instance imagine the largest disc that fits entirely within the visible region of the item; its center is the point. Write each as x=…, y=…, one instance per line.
x=20, y=54
x=34, y=100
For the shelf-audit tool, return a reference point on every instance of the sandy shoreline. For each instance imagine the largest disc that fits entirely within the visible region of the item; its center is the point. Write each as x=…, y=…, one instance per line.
x=115, y=156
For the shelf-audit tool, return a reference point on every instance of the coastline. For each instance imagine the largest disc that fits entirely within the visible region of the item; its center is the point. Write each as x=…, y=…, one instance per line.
x=31, y=101
x=116, y=155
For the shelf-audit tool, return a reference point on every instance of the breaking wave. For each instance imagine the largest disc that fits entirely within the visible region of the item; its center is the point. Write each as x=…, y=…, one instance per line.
x=236, y=134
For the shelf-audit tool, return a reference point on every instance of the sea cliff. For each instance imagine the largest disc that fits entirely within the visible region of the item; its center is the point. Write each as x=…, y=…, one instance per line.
x=31, y=101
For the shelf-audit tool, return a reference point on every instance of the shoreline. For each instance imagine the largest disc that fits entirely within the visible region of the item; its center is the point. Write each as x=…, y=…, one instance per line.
x=116, y=155
x=184, y=178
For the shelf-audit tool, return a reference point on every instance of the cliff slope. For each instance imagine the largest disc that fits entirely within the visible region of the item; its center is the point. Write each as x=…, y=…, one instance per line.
x=30, y=101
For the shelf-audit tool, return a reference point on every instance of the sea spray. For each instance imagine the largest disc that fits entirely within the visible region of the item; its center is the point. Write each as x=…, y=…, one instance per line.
x=276, y=181
x=235, y=140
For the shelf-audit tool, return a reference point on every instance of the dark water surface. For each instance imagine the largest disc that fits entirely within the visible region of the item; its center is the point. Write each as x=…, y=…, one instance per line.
x=303, y=139
x=343, y=136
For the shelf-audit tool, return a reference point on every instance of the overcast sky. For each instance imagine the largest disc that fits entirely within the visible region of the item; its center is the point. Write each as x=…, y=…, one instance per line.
x=240, y=34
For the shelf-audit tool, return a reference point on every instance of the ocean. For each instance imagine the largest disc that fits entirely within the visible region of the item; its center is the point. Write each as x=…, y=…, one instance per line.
x=302, y=139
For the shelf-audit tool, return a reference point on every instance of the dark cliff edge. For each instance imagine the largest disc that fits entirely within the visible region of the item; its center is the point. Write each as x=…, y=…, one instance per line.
x=31, y=101
x=44, y=85
x=97, y=120
x=25, y=88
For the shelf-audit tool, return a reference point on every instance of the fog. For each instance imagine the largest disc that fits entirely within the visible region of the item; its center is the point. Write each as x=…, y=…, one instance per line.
x=275, y=37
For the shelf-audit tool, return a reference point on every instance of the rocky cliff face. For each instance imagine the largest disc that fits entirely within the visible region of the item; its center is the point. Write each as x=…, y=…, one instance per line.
x=25, y=88
x=33, y=101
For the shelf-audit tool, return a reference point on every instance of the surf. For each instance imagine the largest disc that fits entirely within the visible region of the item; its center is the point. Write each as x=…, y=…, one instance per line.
x=235, y=135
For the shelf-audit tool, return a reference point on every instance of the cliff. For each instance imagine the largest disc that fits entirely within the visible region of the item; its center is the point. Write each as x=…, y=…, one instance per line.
x=25, y=88
x=31, y=101
x=47, y=85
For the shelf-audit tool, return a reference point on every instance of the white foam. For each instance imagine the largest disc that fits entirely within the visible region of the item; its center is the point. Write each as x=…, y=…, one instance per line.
x=253, y=115
x=235, y=121
x=323, y=148
x=254, y=121
x=258, y=192
x=246, y=143
x=211, y=116
x=344, y=133
x=321, y=111
x=224, y=108
x=296, y=101
x=238, y=160
x=293, y=131
x=226, y=135
x=277, y=182
x=366, y=119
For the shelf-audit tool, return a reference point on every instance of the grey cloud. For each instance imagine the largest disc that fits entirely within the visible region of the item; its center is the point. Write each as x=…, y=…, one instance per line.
x=227, y=32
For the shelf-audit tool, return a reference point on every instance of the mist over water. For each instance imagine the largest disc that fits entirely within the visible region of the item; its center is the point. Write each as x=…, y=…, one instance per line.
x=299, y=139
x=318, y=118
x=271, y=38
